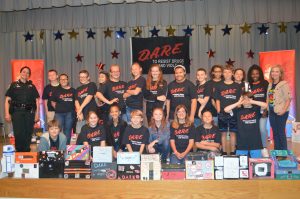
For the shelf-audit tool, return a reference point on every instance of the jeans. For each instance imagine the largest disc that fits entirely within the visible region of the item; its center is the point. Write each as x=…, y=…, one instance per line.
x=253, y=153
x=162, y=147
x=175, y=160
x=66, y=122
x=278, y=123
x=263, y=131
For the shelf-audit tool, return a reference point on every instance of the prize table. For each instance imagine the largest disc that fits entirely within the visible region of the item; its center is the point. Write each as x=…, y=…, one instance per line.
x=79, y=188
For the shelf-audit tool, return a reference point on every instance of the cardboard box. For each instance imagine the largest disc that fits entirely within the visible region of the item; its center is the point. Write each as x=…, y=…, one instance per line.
x=261, y=168
x=128, y=158
x=78, y=152
x=102, y=154
x=8, y=159
x=200, y=170
x=26, y=170
x=26, y=157
x=129, y=171
x=150, y=167
x=173, y=172
x=51, y=164
x=106, y=171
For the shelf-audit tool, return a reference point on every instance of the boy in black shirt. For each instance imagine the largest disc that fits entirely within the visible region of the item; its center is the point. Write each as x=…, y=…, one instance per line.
x=248, y=136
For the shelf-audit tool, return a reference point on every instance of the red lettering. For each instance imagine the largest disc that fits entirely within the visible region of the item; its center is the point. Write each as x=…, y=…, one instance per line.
x=166, y=50
x=177, y=90
x=208, y=137
x=258, y=90
x=83, y=91
x=155, y=53
x=93, y=134
x=227, y=92
x=135, y=137
x=176, y=49
x=119, y=87
x=144, y=55
x=67, y=95
x=248, y=116
x=132, y=87
x=181, y=131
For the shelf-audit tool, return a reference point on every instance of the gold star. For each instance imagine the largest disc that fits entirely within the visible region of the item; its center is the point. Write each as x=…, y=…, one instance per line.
x=107, y=33
x=170, y=31
x=137, y=31
x=73, y=34
x=207, y=29
x=42, y=34
x=282, y=27
x=245, y=28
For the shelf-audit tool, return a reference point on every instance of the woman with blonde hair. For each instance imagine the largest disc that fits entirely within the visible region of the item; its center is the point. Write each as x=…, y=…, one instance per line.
x=279, y=99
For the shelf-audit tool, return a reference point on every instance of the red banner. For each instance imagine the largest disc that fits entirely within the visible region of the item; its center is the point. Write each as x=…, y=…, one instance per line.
x=285, y=58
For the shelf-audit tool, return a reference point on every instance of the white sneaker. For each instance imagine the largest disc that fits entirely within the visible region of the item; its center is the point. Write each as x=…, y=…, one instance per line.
x=265, y=153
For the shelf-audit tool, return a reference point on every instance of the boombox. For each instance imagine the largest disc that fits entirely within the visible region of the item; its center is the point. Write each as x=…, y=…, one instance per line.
x=51, y=164
x=150, y=167
x=104, y=171
x=129, y=171
x=261, y=168
x=173, y=172
x=200, y=170
x=78, y=152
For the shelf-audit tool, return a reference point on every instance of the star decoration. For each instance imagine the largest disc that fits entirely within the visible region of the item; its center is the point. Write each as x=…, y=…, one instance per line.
x=90, y=33
x=100, y=66
x=154, y=32
x=114, y=54
x=250, y=54
x=28, y=36
x=137, y=31
x=245, y=28
x=42, y=34
x=107, y=33
x=297, y=27
x=120, y=33
x=226, y=30
x=282, y=27
x=73, y=34
x=170, y=31
x=230, y=62
x=188, y=31
x=263, y=29
x=58, y=35
x=79, y=58
x=207, y=29
x=211, y=53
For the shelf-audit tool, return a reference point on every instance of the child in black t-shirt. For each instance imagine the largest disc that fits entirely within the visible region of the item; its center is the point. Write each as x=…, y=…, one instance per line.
x=182, y=135
x=227, y=93
x=248, y=136
x=136, y=136
x=207, y=136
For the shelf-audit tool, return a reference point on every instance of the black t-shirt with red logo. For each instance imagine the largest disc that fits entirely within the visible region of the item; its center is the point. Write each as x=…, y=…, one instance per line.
x=136, y=137
x=47, y=93
x=64, y=98
x=209, y=135
x=180, y=93
x=111, y=90
x=155, y=91
x=92, y=135
x=203, y=91
x=136, y=101
x=228, y=94
x=259, y=90
x=248, y=136
x=181, y=136
x=82, y=92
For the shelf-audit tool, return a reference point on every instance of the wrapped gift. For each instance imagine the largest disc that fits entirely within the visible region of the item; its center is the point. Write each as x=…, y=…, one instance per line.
x=51, y=164
x=106, y=171
x=150, y=167
x=26, y=157
x=173, y=172
x=26, y=170
x=128, y=158
x=8, y=159
x=199, y=169
x=129, y=171
x=102, y=154
x=78, y=152
x=261, y=168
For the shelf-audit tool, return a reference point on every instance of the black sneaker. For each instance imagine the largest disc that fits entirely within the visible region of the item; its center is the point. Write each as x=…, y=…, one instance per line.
x=224, y=153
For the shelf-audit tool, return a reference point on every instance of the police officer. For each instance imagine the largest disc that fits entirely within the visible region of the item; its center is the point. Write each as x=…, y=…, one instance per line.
x=22, y=108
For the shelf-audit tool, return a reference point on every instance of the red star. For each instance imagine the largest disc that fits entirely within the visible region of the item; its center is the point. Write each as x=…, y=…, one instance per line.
x=250, y=54
x=211, y=53
x=114, y=54
x=79, y=58
x=100, y=66
x=230, y=62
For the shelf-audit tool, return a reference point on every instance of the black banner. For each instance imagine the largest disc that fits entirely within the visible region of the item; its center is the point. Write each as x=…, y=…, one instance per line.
x=165, y=51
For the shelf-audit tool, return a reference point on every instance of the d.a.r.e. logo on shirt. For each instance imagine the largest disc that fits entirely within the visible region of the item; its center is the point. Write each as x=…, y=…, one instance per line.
x=229, y=93
x=249, y=118
x=177, y=92
x=83, y=93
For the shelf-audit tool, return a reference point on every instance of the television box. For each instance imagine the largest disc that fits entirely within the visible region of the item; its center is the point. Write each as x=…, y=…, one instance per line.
x=261, y=168
x=102, y=154
x=173, y=172
x=150, y=167
x=129, y=171
x=106, y=171
x=26, y=157
x=128, y=158
x=26, y=170
x=78, y=152
x=51, y=164
x=199, y=169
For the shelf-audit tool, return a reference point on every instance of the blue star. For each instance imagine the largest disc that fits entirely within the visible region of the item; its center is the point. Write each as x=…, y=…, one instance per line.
x=226, y=30
x=28, y=36
x=90, y=33
x=154, y=32
x=188, y=31
x=58, y=35
x=120, y=33
x=263, y=29
x=297, y=27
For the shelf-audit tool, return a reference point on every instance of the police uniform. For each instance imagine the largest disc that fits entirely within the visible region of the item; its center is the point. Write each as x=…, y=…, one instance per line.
x=22, y=108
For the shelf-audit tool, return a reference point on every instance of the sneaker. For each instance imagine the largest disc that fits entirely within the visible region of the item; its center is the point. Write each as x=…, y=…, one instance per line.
x=265, y=153
x=224, y=153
